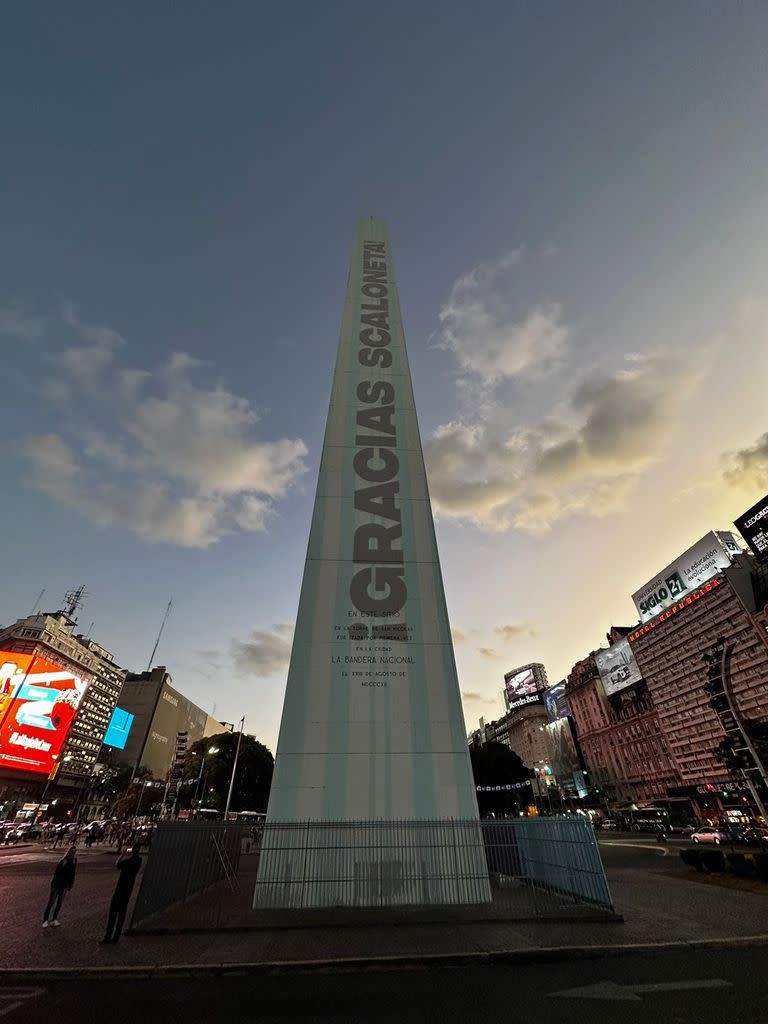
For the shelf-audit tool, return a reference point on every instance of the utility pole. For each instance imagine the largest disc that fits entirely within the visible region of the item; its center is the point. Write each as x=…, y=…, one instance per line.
x=234, y=767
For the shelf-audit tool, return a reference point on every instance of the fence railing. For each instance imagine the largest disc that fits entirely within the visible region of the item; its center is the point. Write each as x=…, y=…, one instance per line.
x=509, y=869
x=185, y=858
x=426, y=863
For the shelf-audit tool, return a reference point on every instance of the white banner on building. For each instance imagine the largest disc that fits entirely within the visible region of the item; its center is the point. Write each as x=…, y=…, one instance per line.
x=695, y=566
x=617, y=667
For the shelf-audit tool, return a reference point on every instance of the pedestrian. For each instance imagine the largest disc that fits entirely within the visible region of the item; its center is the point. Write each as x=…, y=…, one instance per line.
x=129, y=865
x=62, y=881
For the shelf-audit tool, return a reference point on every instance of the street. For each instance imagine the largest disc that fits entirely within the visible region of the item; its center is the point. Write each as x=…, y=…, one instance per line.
x=711, y=986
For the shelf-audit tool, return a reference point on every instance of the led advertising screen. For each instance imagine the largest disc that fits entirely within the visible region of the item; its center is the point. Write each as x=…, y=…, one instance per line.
x=753, y=526
x=556, y=702
x=524, y=685
x=117, y=731
x=695, y=566
x=617, y=667
x=39, y=702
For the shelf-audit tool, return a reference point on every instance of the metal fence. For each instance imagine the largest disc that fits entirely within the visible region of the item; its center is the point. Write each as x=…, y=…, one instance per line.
x=500, y=869
x=426, y=863
x=185, y=858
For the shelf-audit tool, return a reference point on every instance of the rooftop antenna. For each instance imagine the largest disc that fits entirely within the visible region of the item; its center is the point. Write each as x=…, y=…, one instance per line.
x=89, y=629
x=36, y=605
x=73, y=599
x=162, y=627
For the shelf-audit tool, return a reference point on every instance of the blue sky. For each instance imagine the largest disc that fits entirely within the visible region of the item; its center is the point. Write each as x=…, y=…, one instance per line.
x=575, y=196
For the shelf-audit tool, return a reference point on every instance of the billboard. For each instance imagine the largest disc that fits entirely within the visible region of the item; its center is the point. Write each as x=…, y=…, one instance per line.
x=556, y=702
x=562, y=753
x=525, y=685
x=174, y=714
x=617, y=667
x=753, y=526
x=695, y=566
x=38, y=702
x=117, y=731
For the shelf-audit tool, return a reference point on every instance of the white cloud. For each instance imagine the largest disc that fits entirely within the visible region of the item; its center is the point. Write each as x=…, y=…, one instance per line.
x=612, y=427
x=489, y=341
x=264, y=653
x=153, y=452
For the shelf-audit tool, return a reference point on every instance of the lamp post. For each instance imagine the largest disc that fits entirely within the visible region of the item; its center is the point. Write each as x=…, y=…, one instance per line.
x=210, y=750
x=234, y=767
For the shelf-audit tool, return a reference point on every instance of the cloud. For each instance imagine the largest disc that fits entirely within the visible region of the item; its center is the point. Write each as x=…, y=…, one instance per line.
x=154, y=452
x=473, y=697
x=264, y=653
x=16, y=322
x=748, y=467
x=489, y=340
x=587, y=457
x=487, y=652
x=457, y=636
x=510, y=633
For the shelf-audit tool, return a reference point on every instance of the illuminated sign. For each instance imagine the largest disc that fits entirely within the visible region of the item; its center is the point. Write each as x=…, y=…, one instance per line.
x=753, y=526
x=556, y=702
x=617, y=667
x=525, y=685
x=695, y=566
x=680, y=606
x=117, y=731
x=38, y=702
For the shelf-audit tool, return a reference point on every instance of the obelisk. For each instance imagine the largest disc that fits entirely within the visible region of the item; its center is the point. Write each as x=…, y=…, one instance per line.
x=372, y=728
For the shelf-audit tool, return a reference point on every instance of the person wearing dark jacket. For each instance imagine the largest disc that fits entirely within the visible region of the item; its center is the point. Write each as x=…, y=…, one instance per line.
x=62, y=881
x=129, y=865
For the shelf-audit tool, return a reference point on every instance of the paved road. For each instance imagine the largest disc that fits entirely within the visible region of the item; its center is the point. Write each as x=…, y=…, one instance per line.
x=630, y=989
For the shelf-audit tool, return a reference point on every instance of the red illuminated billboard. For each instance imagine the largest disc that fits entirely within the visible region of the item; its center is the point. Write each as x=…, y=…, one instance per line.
x=38, y=701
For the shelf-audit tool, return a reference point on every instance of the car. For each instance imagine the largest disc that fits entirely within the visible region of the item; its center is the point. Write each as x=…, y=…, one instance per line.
x=708, y=834
x=23, y=833
x=608, y=825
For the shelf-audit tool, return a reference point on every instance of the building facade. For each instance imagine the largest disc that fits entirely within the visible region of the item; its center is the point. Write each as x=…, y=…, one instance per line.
x=625, y=751
x=161, y=713
x=50, y=735
x=670, y=650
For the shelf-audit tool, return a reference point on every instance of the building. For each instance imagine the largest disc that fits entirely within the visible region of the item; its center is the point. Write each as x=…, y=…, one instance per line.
x=627, y=756
x=161, y=714
x=669, y=651
x=57, y=693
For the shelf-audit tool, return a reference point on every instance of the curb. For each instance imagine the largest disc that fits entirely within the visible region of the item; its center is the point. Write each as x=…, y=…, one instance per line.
x=531, y=955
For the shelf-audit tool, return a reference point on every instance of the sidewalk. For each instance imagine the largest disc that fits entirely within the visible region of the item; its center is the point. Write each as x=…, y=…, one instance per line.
x=656, y=908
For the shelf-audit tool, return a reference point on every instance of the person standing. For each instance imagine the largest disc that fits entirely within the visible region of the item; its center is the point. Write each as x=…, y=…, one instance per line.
x=129, y=865
x=62, y=881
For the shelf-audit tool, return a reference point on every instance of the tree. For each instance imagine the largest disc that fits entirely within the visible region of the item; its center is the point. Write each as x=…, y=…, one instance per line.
x=495, y=764
x=252, y=780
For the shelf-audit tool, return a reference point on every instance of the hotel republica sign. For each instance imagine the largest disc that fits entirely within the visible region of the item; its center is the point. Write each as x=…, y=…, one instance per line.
x=372, y=726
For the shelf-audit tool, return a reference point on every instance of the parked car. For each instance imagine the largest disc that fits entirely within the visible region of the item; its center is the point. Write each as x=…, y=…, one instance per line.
x=23, y=833
x=708, y=834
x=608, y=825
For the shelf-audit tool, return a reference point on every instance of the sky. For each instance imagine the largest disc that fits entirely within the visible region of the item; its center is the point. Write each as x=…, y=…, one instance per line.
x=576, y=201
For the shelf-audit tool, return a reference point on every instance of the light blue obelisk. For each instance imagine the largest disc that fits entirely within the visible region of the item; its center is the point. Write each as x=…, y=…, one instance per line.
x=372, y=726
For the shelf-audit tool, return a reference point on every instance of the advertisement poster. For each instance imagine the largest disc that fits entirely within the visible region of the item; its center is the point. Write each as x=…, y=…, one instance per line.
x=39, y=701
x=556, y=702
x=617, y=667
x=753, y=527
x=525, y=685
x=695, y=566
x=117, y=731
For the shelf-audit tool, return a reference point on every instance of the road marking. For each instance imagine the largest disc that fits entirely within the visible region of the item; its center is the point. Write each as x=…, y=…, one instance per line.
x=18, y=996
x=637, y=846
x=610, y=990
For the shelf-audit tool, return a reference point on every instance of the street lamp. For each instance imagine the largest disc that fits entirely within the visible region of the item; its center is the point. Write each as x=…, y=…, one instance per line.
x=210, y=750
x=234, y=767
